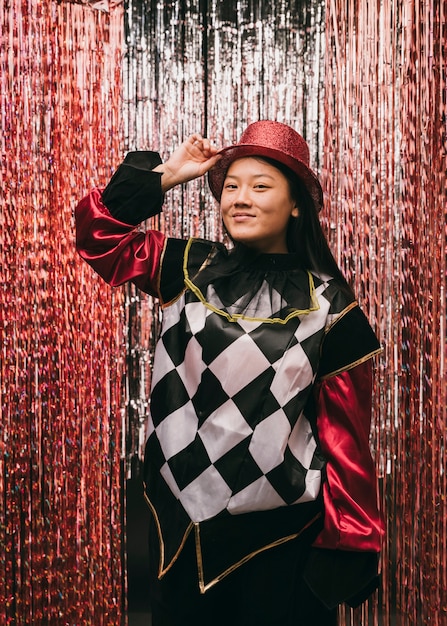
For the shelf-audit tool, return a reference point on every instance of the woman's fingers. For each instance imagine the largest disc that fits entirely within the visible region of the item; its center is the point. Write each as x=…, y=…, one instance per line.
x=193, y=158
x=202, y=144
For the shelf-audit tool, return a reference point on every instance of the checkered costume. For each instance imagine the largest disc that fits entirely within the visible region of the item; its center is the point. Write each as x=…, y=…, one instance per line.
x=233, y=451
x=233, y=372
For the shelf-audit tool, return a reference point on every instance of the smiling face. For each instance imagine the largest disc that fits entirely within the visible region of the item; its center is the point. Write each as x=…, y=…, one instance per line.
x=256, y=205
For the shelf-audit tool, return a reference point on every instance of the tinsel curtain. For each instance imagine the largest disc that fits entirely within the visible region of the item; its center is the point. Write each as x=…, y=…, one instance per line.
x=386, y=176
x=61, y=328
x=365, y=81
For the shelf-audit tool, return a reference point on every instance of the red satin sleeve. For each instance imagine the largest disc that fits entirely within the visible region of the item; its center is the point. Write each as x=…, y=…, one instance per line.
x=118, y=252
x=352, y=518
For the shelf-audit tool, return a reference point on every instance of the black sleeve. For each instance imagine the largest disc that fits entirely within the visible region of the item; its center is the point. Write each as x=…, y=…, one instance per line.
x=172, y=281
x=172, y=276
x=337, y=576
x=349, y=341
x=134, y=192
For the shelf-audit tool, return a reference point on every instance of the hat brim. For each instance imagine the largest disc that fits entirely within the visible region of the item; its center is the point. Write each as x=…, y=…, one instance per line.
x=217, y=174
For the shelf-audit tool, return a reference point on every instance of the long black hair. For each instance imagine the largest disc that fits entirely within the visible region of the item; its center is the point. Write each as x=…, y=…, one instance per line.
x=305, y=236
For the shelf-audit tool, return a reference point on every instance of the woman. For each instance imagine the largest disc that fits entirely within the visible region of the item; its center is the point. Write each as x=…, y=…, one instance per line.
x=257, y=466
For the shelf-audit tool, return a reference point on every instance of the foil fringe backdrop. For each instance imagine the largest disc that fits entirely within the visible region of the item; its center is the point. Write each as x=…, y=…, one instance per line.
x=374, y=113
x=60, y=330
x=387, y=180
x=366, y=83
x=209, y=67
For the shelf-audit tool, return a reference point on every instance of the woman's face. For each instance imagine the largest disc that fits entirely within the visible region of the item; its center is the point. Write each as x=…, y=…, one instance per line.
x=256, y=205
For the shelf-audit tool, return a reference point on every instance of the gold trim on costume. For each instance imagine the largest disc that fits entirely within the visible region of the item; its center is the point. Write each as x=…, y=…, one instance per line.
x=340, y=315
x=160, y=265
x=204, y=264
x=236, y=316
x=364, y=358
x=350, y=366
x=205, y=586
x=164, y=304
x=162, y=569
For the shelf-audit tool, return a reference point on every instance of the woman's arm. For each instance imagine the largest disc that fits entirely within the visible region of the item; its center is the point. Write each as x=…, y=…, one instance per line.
x=343, y=563
x=105, y=221
x=192, y=159
x=116, y=250
x=343, y=405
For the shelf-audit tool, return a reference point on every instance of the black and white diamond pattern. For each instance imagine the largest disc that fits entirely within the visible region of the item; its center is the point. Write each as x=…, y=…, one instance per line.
x=227, y=407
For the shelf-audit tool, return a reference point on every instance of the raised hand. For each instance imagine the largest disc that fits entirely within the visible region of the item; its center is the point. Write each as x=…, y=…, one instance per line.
x=192, y=159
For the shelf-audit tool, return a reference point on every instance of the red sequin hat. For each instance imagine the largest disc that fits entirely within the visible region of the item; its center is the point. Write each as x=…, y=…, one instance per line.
x=272, y=140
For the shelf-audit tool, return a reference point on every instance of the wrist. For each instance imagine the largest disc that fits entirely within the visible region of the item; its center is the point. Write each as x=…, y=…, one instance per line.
x=168, y=178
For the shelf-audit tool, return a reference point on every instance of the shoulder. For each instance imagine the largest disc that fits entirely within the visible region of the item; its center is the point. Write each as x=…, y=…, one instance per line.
x=338, y=298
x=349, y=338
x=185, y=258
x=200, y=253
